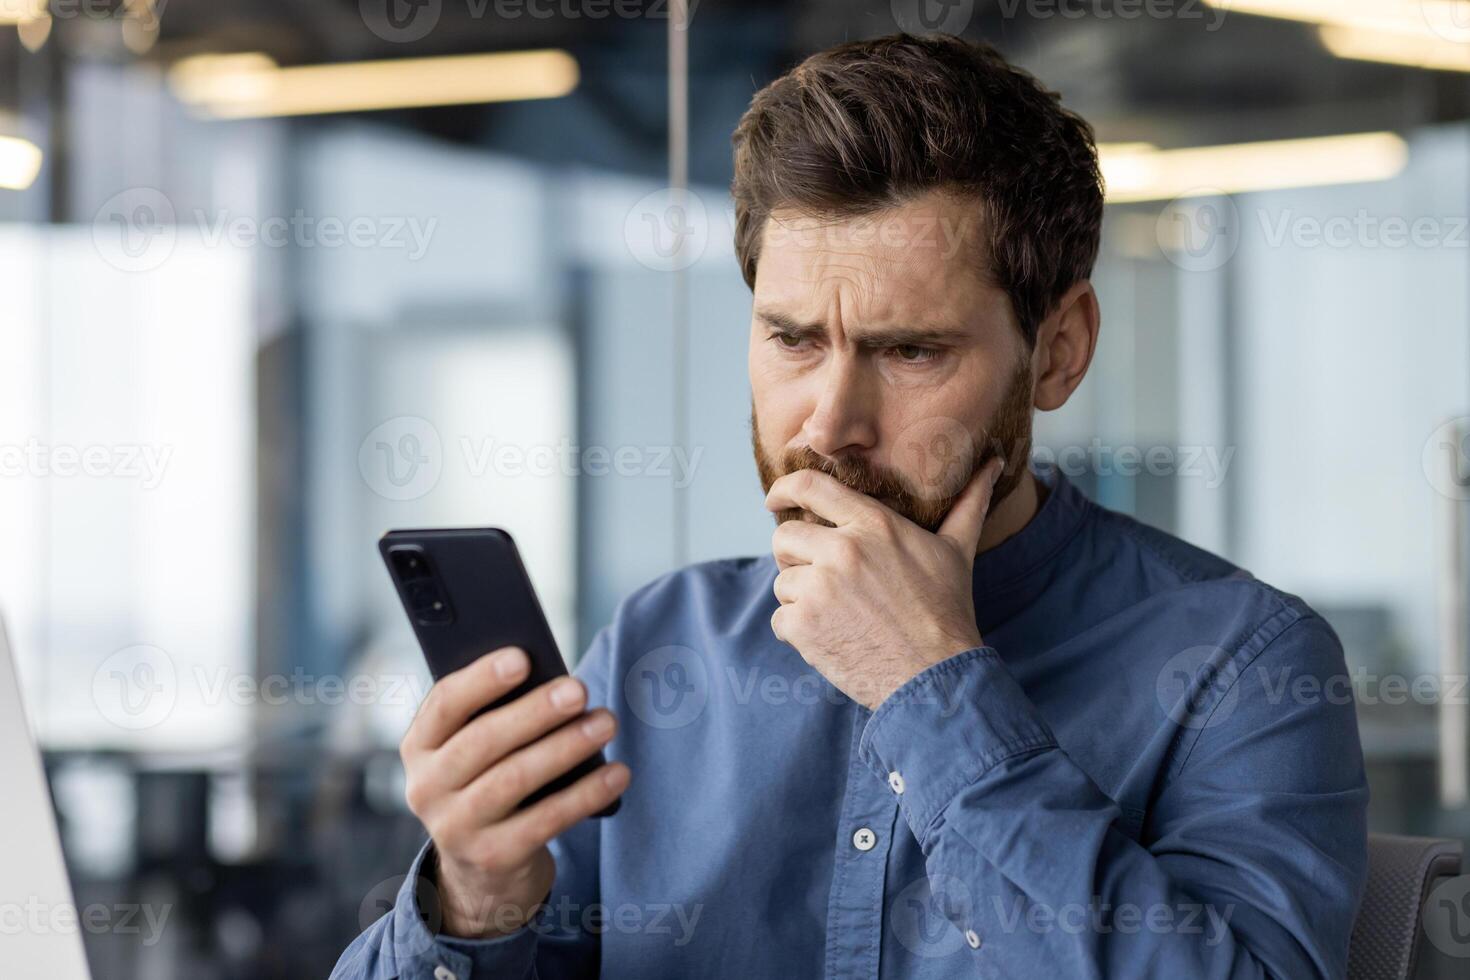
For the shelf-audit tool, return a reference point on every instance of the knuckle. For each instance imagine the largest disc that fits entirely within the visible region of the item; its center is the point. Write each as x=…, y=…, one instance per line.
x=416, y=796
x=562, y=811
x=435, y=712
x=512, y=781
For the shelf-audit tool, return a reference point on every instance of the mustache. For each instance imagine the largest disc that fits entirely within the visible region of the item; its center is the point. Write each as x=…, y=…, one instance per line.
x=872, y=479
x=851, y=471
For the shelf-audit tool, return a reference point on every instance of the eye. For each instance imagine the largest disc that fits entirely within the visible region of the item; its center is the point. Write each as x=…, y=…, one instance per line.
x=788, y=340
x=913, y=353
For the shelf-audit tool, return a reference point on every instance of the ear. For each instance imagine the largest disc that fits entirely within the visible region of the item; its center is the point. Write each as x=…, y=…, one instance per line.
x=1064, y=345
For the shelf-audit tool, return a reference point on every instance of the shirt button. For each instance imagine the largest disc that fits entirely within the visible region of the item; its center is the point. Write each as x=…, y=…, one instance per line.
x=895, y=782
x=973, y=938
x=442, y=972
x=864, y=839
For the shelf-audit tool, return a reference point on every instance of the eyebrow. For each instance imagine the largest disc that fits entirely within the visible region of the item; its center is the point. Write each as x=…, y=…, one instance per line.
x=896, y=336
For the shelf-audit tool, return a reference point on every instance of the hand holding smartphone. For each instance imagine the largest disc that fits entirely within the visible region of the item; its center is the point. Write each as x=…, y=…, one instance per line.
x=502, y=755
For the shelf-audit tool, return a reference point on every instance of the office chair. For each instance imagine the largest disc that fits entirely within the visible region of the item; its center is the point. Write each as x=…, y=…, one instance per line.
x=1401, y=871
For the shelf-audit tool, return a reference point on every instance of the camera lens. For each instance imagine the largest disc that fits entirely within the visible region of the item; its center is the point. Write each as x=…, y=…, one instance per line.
x=410, y=563
x=428, y=603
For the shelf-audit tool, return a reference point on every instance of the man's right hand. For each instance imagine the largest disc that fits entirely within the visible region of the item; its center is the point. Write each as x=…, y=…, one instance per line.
x=466, y=777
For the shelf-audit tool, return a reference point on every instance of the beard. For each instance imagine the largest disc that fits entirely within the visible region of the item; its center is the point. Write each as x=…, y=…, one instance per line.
x=944, y=455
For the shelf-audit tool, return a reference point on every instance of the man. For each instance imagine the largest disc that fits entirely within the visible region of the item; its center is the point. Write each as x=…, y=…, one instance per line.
x=962, y=721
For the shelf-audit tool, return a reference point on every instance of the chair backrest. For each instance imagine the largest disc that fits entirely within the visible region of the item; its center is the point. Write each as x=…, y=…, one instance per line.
x=1401, y=872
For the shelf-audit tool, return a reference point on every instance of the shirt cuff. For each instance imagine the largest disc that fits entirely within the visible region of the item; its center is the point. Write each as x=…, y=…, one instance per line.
x=414, y=944
x=947, y=727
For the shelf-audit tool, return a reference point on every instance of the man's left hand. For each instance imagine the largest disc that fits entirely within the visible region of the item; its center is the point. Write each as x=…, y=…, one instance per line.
x=876, y=599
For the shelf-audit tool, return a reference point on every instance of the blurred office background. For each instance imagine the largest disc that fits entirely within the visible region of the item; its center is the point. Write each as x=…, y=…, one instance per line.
x=269, y=289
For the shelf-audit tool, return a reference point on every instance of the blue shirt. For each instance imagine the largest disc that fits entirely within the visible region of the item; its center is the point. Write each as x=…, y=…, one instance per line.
x=1151, y=769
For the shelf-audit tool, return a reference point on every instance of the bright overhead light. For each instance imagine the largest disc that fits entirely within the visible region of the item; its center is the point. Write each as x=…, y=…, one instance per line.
x=1135, y=172
x=20, y=162
x=1397, y=49
x=241, y=86
x=1447, y=19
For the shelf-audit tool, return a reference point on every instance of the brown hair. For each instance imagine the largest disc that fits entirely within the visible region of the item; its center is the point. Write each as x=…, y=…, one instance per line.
x=869, y=125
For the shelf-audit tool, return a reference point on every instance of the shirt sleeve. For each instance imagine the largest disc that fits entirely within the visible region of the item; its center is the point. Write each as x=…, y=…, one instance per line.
x=1250, y=861
x=557, y=944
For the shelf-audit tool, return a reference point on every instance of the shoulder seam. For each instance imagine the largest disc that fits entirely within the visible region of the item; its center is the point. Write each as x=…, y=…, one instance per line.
x=1299, y=617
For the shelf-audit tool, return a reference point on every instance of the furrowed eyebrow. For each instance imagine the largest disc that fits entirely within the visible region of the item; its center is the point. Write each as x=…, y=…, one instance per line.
x=880, y=337
x=908, y=337
x=783, y=323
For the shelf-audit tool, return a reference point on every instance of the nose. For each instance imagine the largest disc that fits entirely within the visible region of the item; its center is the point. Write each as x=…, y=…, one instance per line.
x=843, y=420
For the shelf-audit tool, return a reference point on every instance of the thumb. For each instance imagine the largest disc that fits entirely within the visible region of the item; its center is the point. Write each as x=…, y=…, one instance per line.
x=967, y=517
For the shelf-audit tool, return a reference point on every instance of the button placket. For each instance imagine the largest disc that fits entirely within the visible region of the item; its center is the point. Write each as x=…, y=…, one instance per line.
x=863, y=840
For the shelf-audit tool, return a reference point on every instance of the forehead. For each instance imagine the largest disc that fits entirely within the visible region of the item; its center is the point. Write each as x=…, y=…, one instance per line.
x=925, y=256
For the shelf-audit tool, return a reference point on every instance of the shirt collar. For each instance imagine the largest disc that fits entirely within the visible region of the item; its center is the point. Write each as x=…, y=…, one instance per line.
x=1053, y=525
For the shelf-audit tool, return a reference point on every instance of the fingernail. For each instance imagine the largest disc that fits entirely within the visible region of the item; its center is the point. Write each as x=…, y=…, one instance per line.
x=510, y=663
x=566, y=694
x=995, y=476
x=597, y=726
x=615, y=778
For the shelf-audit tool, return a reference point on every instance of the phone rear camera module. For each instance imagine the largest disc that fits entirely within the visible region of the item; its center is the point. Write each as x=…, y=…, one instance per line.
x=410, y=563
x=429, y=604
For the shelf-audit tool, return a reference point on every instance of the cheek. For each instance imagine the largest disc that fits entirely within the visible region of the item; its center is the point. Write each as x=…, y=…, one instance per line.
x=779, y=417
x=958, y=400
x=781, y=401
x=934, y=433
x=923, y=380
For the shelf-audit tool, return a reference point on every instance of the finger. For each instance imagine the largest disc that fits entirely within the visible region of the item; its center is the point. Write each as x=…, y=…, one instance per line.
x=967, y=517
x=496, y=793
x=790, y=582
x=530, y=829
x=457, y=696
x=822, y=494
x=798, y=542
x=496, y=734
x=779, y=622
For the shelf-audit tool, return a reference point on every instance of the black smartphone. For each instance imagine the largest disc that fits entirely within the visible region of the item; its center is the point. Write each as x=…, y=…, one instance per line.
x=467, y=594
